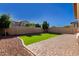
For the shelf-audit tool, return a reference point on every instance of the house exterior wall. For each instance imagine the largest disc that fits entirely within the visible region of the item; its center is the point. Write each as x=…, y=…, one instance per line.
x=76, y=10
x=18, y=23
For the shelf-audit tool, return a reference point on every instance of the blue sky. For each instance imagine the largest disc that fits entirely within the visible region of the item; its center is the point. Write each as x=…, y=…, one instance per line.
x=56, y=14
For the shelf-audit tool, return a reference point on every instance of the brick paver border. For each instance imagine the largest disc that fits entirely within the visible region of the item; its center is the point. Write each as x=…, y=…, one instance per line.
x=25, y=45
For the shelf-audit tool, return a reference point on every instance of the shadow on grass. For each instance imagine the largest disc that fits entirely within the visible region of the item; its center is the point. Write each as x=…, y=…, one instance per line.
x=29, y=35
x=55, y=33
x=12, y=36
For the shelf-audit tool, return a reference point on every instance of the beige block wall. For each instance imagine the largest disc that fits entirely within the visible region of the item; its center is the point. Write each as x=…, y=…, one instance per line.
x=61, y=30
x=26, y=30
x=23, y=30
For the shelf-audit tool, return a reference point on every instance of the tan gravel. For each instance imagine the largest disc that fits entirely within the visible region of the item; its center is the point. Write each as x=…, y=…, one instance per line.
x=13, y=47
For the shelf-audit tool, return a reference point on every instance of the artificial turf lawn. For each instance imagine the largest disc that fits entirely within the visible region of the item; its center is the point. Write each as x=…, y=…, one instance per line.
x=36, y=38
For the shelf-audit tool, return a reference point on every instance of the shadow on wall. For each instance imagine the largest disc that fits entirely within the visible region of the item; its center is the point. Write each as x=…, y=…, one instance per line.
x=14, y=32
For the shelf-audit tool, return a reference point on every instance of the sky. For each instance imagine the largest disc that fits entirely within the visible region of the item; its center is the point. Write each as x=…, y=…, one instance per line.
x=56, y=14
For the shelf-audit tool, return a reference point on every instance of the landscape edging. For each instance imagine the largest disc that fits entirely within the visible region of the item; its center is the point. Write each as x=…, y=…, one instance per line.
x=25, y=46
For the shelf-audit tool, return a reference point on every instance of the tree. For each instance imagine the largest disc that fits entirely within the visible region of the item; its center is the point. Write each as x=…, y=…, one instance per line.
x=30, y=25
x=4, y=22
x=27, y=25
x=37, y=25
x=66, y=26
x=45, y=26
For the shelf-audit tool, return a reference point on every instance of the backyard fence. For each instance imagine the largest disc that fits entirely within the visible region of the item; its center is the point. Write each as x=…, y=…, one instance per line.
x=23, y=30
x=62, y=30
x=28, y=30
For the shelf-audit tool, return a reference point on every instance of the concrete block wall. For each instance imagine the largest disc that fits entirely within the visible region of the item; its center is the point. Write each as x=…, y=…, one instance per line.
x=61, y=30
x=27, y=30
x=23, y=30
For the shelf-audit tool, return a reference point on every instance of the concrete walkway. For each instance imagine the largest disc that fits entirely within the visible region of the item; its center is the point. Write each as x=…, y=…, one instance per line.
x=63, y=45
x=12, y=46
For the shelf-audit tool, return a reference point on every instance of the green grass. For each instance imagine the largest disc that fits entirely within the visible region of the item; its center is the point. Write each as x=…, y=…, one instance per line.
x=36, y=38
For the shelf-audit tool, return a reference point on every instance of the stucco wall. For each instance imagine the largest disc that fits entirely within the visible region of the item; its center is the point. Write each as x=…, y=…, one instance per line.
x=78, y=11
x=75, y=10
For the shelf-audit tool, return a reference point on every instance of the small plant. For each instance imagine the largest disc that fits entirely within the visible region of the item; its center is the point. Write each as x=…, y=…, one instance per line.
x=37, y=25
x=27, y=25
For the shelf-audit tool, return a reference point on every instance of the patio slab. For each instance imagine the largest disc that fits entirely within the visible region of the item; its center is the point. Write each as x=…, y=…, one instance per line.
x=63, y=45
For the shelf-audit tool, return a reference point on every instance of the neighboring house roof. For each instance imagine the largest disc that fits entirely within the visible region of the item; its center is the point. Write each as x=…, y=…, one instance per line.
x=74, y=22
x=19, y=23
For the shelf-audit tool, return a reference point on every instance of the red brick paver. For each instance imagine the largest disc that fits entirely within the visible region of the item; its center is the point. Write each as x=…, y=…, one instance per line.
x=14, y=47
x=63, y=45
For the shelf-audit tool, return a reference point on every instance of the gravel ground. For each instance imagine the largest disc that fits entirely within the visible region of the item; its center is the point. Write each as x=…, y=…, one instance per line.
x=12, y=46
x=63, y=45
